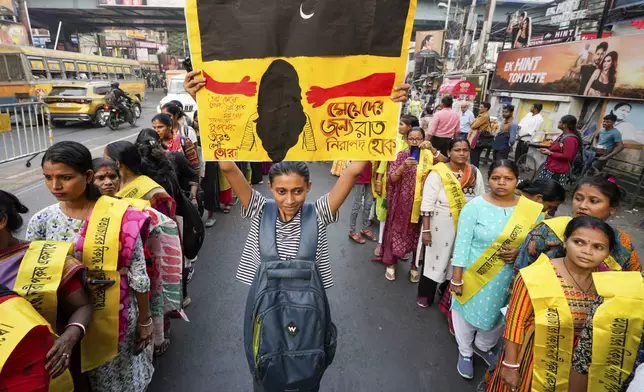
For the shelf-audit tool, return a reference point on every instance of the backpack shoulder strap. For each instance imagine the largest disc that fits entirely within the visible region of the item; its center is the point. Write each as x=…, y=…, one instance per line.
x=309, y=233
x=267, y=241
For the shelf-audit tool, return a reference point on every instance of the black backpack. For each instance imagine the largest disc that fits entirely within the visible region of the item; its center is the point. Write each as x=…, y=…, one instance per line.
x=289, y=337
x=193, y=227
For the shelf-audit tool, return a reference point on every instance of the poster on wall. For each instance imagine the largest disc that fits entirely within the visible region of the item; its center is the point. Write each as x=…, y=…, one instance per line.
x=610, y=67
x=630, y=122
x=429, y=43
x=318, y=89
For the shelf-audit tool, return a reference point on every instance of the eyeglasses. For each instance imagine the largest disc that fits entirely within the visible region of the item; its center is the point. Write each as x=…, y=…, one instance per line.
x=415, y=140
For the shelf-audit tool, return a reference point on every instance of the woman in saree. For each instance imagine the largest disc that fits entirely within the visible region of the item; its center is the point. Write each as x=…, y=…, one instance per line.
x=115, y=361
x=379, y=175
x=162, y=252
x=597, y=196
x=72, y=315
x=447, y=188
x=490, y=228
x=404, y=193
x=588, y=242
x=134, y=184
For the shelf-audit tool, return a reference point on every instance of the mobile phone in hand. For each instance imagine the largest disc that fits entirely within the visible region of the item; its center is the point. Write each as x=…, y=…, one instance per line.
x=414, y=152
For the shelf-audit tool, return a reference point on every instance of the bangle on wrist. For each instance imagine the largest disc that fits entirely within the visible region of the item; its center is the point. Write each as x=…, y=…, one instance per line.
x=514, y=366
x=456, y=284
x=426, y=231
x=146, y=324
x=77, y=325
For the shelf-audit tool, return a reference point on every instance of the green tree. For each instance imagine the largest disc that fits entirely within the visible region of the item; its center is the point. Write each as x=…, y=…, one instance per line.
x=176, y=41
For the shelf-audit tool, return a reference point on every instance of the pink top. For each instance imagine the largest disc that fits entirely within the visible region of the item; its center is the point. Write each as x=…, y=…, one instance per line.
x=445, y=123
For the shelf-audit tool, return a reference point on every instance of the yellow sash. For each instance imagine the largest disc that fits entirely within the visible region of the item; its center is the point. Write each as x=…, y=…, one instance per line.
x=139, y=204
x=138, y=188
x=485, y=268
x=617, y=329
x=39, y=276
x=100, y=256
x=554, y=329
x=558, y=226
x=422, y=170
x=18, y=318
x=453, y=190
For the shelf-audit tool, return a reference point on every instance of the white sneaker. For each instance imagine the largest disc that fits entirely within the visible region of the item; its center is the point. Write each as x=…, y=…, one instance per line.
x=210, y=222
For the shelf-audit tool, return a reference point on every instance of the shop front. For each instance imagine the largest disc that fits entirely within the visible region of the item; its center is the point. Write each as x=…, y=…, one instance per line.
x=582, y=78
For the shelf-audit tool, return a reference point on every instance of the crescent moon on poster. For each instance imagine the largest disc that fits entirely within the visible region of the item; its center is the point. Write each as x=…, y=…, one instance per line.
x=303, y=15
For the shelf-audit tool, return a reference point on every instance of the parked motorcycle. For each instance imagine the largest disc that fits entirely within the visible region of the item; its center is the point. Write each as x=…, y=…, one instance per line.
x=116, y=117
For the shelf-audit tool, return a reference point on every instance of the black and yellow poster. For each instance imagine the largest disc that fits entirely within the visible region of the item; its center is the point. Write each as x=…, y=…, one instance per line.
x=299, y=79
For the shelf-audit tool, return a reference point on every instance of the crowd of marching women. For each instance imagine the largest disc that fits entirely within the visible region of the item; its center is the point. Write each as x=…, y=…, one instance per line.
x=107, y=268
x=500, y=266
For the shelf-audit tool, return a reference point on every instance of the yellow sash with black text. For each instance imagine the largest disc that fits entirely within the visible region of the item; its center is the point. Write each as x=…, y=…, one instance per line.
x=453, y=190
x=100, y=256
x=18, y=319
x=558, y=226
x=554, y=328
x=617, y=329
x=425, y=164
x=39, y=276
x=488, y=264
x=138, y=188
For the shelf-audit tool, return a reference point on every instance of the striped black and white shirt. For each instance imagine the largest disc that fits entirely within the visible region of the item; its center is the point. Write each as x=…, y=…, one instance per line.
x=287, y=236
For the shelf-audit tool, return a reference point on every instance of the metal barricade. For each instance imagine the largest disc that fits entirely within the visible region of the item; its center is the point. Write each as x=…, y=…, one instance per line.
x=25, y=130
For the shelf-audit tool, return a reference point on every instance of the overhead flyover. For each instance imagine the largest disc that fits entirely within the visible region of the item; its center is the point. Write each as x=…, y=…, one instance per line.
x=90, y=16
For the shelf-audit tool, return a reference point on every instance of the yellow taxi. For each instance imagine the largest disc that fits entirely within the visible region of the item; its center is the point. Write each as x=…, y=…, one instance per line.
x=82, y=101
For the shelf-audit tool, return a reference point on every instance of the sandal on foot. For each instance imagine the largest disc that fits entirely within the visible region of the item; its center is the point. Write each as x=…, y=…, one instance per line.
x=414, y=276
x=160, y=350
x=356, y=237
x=369, y=234
x=226, y=209
x=390, y=273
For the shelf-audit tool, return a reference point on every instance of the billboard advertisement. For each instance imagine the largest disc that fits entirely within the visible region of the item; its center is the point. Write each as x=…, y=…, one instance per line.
x=13, y=33
x=143, y=3
x=519, y=29
x=611, y=67
x=7, y=8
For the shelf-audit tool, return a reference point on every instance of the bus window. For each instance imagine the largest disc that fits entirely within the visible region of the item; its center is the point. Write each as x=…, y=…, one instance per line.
x=96, y=74
x=70, y=70
x=55, y=69
x=83, y=71
x=103, y=68
x=137, y=73
x=119, y=72
x=38, y=70
x=15, y=67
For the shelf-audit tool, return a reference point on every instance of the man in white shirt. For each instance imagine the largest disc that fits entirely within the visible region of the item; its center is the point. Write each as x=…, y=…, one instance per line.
x=467, y=118
x=528, y=127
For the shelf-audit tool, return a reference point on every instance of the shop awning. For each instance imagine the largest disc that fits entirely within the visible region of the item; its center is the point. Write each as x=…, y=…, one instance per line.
x=458, y=89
